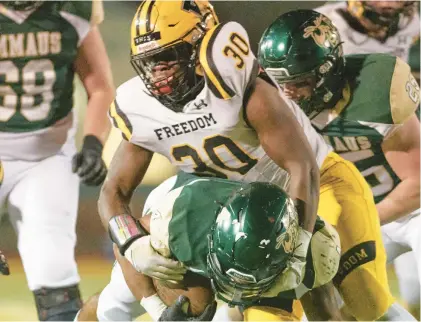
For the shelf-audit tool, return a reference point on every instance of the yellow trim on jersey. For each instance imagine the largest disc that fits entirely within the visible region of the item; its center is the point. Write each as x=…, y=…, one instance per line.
x=204, y=61
x=120, y=122
x=1, y=173
x=404, y=93
x=97, y=15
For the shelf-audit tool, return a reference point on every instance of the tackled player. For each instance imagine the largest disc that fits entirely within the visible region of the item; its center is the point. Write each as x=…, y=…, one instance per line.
x=240, y=236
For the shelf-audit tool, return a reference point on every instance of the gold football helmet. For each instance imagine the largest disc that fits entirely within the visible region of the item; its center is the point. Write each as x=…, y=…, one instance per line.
x=165, y=39
x=386, y=16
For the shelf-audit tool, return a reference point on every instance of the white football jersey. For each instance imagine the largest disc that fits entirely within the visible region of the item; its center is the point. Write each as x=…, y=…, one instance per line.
x=211, y=135
x=359, y=43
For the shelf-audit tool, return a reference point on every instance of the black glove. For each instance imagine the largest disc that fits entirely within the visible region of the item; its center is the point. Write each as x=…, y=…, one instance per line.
x=4, y=267
x=175, y=312
x=88, y=163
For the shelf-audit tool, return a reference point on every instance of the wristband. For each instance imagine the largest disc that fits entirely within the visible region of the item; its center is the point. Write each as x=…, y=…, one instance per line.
x=124, y=230
x=154, y=306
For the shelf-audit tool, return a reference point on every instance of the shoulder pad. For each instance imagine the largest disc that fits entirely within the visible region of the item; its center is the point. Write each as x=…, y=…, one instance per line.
x=120, y=109
x=229, y=65
x=404, y=93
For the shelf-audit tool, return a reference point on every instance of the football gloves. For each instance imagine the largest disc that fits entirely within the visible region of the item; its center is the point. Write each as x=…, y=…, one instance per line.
x=176, y=312
x=147, y=261
x=88, y=163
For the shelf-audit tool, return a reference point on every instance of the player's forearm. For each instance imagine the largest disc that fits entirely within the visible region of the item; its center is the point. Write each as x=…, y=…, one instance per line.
x=96, y=118
x=304, y=189
x=403, y=200
x=320, y=304
x=112, y=202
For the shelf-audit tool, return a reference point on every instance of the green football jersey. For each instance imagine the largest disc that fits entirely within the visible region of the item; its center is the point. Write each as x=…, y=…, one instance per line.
x=37, y=51
x=380, y=95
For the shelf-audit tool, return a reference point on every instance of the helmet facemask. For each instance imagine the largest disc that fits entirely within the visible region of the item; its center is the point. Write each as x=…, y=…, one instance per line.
x=326, y=80
x=176, y=89
x=237, y=287
x=386, y=23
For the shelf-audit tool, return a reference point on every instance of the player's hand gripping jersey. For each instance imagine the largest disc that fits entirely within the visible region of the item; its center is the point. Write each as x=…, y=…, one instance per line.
x=36, y=68
x=380, y=96
x=211, y=136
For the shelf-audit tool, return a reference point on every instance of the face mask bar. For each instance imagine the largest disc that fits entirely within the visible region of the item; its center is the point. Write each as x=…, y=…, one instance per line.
x=231, y=291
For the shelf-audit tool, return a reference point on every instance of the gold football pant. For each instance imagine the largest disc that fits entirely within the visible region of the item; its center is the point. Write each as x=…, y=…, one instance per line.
x=347, y=203
x=270, y=313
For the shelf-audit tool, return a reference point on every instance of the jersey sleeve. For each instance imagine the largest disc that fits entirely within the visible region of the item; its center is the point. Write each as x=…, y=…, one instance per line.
x=161, y=215
x=404, y=93
x=82, y=15
x=230, y=67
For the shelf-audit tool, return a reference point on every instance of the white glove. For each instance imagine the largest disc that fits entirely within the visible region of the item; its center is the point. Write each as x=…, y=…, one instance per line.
x=147, y=261
x=153, y=306
x=289, y=279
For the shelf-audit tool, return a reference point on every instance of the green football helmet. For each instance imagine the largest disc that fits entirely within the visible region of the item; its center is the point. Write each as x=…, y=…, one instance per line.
x=253, y=237
x=301, y=44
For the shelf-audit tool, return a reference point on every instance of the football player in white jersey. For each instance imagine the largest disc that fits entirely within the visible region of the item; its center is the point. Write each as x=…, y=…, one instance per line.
x=385, y=27
x=366, y=27
x=202, y=101
x=42, y=45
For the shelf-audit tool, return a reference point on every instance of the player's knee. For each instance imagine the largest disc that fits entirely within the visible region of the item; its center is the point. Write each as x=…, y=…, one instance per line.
x=52, y=272
x=59, y=304
x=54, y=267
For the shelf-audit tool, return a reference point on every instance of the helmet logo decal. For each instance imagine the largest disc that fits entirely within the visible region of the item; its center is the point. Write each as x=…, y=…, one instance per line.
x=264, y=243
x=147, y=42
x=288, y=238
x=323, y=32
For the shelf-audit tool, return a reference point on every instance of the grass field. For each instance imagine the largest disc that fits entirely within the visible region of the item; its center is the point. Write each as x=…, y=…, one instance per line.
x=17, y=302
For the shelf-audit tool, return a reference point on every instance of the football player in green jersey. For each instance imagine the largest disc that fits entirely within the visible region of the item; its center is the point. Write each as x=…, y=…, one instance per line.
x=363, y=105
x=390, y=27
x=240, y=236
x=42, y=46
